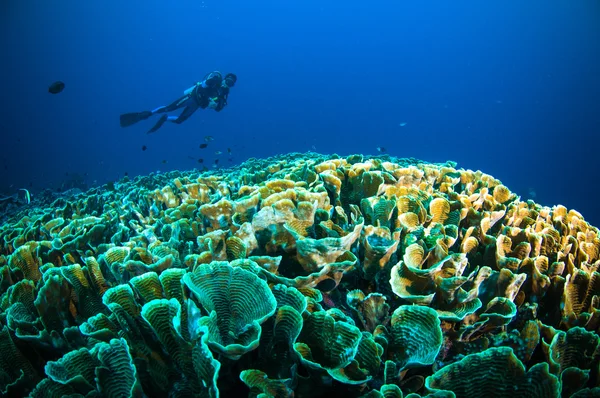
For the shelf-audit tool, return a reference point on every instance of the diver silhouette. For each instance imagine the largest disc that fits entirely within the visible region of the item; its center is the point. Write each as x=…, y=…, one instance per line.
x=211, y=92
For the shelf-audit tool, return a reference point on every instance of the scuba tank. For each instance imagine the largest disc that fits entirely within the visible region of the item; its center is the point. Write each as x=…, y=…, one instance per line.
x=189, y=90
x=206, y=77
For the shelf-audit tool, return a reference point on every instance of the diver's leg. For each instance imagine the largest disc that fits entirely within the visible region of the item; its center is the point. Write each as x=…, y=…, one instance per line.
x=190, y=108
x=187, y=112
x=173, y=106
x=162, y=109
x=158, y=124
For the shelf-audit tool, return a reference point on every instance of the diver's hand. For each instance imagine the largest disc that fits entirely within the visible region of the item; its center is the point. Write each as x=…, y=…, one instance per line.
x=212, y=103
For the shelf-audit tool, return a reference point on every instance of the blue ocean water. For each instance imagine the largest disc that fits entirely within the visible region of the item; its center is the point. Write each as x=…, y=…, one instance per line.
x=511, y=88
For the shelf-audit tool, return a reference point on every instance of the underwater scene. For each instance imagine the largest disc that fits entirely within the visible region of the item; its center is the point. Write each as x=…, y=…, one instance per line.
x=300, y=199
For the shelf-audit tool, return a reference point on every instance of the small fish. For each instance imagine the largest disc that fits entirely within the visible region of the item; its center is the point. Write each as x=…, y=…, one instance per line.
x=208, y=138
x=218, y=152
x=144, y=147
x=126, y=174
x=229, y=151
x=202, y=146
x=532, y=193
x=402, y=124
x=27, y=194
x=191, y=157
x=381, y=149
x=56, y=87
x=164, y=161
x=216, y=161
x=230, y=159
x=200, y=160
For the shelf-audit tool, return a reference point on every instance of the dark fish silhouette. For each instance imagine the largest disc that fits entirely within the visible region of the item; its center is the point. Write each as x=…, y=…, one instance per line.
x=200, y=160
x=144, y=147
x=56, y=87
x=202, y=146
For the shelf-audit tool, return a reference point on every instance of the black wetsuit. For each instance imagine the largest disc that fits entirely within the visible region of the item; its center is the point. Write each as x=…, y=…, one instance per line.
x=209, y=93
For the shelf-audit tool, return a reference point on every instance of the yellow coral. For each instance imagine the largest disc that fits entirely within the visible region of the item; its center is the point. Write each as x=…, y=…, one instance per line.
x=439, y=208
x=414, y=255
x=279, y=185
x=332, y=182
x=116, y=255
x=218, y=214
x=501, y=194
x=25, y=260
x=408, y=220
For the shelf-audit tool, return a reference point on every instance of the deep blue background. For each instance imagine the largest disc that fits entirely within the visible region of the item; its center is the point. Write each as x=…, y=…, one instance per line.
x=508, y=87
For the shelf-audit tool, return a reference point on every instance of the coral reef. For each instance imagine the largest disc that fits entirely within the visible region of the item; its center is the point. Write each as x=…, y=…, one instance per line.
x=301, y=275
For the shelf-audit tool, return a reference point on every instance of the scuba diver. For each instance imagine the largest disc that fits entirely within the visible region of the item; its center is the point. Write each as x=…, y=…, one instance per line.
x=212, y=93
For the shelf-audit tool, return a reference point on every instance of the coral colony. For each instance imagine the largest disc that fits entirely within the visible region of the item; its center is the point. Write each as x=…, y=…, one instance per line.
x=301, y=275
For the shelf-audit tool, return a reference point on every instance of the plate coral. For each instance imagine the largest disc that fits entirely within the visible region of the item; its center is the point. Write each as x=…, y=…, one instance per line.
x=302, y=275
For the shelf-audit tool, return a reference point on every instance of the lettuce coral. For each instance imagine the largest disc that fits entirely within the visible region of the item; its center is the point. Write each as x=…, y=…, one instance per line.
x=302, y=275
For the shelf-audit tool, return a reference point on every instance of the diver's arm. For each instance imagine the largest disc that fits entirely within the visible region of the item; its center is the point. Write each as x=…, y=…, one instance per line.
x=222, y=98
x=221, y=103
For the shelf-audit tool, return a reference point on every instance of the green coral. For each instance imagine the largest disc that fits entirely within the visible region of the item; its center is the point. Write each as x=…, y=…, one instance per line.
x=237, y=302
x=497, y=370
x=326, y=343
x=416, y=336
x=299, y=275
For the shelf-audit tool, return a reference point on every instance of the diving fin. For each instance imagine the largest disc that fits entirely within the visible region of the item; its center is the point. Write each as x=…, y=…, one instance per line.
x=128, y=119
x=158, y=124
